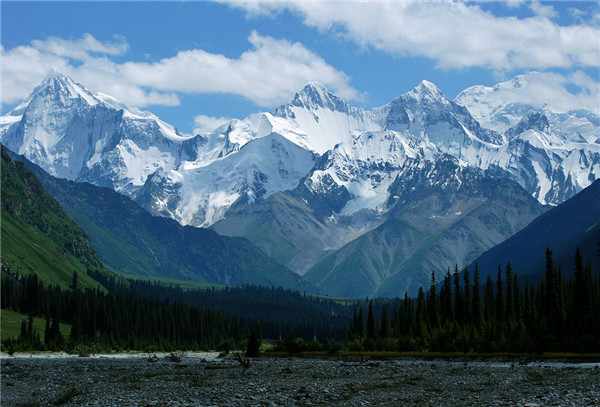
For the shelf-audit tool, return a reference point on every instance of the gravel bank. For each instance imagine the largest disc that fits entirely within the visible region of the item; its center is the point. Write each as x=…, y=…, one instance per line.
x=198, y=381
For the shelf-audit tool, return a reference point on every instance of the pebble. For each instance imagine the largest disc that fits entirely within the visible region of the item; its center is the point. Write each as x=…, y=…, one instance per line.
x=323, y=381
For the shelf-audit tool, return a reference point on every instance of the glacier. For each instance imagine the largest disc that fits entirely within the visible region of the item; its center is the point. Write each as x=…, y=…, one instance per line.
x=314, y=140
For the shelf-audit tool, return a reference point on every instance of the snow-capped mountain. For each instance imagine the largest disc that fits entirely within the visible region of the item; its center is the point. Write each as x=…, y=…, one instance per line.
x=553, y=154
x=199, y=194
x=77, y=135
x=314, y=174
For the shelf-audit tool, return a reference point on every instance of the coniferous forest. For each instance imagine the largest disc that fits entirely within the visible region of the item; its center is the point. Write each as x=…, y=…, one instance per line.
x=100, y=320
x=462, y=313
x=459, y=314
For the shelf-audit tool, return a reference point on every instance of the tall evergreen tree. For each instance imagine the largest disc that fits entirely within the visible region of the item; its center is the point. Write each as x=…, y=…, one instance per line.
x=371, y=326
x=477, y=310
x=385, y=323
x=361, y=324
x=458, y=298
x=489, y=300
x=447, y=308
x=467, y=298
x=500, y=304
x=551, y=308
x=509, y=315
x=433, y=303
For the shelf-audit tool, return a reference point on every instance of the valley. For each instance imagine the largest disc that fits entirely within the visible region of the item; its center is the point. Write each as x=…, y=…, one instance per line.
x=348, y=199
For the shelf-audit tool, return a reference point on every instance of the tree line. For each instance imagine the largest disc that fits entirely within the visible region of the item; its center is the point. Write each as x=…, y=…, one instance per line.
x=103, y=320
x=459, y=313
x=560, y=313
x=134, y=314
x=279, y=311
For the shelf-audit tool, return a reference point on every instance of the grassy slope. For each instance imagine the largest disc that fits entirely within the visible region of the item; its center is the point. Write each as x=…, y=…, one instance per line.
x=37, y=235
x=132, y=242
x=26, y=250
x=11, y=324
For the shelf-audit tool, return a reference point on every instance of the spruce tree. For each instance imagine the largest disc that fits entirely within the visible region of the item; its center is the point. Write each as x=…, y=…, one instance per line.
x=509, y=315
x=385, y=323
x=467, y=298
x=371, y=328
x=500, y=305
x=361, y=324
x=458, y=298
x=477, y=310
x=551, y=308
x=489, y=300
x=433, y=303
x=447, y=308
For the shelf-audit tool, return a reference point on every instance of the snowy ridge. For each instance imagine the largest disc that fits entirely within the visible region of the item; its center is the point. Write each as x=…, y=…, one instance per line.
x=121, y=146
x=205, y=192
x=317, y=138
x=552, y=153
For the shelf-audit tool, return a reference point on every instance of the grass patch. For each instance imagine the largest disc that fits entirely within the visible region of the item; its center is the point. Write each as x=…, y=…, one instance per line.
x=11, y=324
x=184, y=284
x=26, y=249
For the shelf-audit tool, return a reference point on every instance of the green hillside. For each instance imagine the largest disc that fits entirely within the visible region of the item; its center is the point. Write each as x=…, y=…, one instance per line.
x=134, y=243
x=11, y=324
x=37, y=235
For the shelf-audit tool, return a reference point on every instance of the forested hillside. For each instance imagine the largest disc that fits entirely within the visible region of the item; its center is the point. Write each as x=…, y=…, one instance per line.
x=37, y=235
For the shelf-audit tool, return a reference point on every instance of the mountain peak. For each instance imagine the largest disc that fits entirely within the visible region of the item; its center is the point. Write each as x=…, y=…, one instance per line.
x=56, y=74
x=532, y=121
x=315, y=86
x=426, y=88
x=315, y=95
x=60, y=85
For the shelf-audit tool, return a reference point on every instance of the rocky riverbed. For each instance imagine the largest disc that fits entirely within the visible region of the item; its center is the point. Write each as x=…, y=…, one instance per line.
x=204, y=380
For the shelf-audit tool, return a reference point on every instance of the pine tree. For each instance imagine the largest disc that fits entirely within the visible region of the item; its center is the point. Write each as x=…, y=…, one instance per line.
x=385, y=323
x=371, y=328
x=489, y=300
x=433, y=303
x=467, y=298
x=421, y=317
x=253, y=346
x=458, y=298
x=509, y=316
x=500, y=305
x=361, y=324
x=551, y=307
x=447, y=308
x=477, y=310
x=47, y=332
x=581, y=304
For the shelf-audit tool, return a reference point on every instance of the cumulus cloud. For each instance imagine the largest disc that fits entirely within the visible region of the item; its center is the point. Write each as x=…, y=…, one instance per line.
x=206, y=124
x=541, y=10
x=455, y=34
x=269, y=73
x=85, y=59
x=557, y=91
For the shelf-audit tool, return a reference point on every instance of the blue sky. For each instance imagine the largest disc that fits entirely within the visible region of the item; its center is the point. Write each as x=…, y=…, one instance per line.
x=193, y=63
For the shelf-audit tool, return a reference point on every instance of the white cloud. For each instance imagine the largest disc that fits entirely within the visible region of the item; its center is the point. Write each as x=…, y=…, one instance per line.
x=206, y=124
x=80, y=49
x=544, y=11
x=24, y=67
x=455, y=34
x=552, y=89
x=269, y=73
